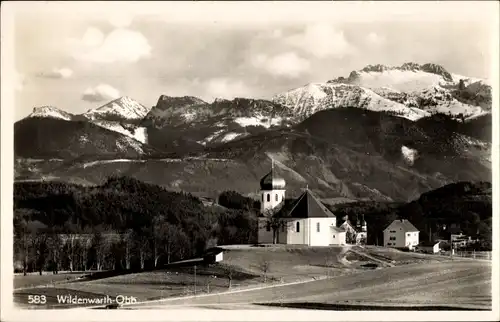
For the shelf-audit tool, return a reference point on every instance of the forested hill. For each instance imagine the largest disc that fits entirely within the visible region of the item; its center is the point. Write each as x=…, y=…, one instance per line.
x=172, y=223
x=466, y=204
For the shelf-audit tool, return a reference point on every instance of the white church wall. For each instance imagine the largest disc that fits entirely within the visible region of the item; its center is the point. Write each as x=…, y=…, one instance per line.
x=337, y=238
x=283, y=234
x=321, y=237
x=300, y=237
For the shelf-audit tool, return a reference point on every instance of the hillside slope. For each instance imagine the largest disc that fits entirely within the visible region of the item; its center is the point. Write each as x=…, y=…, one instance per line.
x=57, y=138
x=349, y=153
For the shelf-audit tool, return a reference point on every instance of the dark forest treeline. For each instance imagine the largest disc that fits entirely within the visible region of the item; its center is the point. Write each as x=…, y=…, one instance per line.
x=121, y=224
x=467, y=205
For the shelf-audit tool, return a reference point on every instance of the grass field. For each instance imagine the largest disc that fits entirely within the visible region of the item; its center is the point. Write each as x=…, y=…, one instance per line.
x=35, y=279
x=246, y=265
x=460, y=284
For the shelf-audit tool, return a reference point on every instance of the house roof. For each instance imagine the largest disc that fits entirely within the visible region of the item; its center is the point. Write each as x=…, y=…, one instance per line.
x=353, y=227
x=308, y=206
x=338, y=229
x=428, y=243
x=403, y=223
x=213, y=251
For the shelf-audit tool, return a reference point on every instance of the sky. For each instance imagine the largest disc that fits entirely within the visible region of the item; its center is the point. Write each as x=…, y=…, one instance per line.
x=76, y=57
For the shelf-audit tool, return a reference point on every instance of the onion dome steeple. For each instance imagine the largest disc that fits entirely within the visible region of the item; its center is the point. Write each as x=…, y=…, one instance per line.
x=272, y=181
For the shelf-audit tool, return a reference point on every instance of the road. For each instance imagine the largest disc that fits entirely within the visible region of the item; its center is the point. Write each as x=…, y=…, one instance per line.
x=457, y=282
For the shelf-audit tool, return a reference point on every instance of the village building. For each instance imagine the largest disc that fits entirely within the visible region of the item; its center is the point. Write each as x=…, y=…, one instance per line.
x=401, y=234
x=308, y=222
x=429, y=247
x=355, y=234
x=213, y=255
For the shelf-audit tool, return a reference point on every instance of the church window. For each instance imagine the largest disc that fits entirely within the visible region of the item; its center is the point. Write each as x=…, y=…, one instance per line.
x=298, y=227
x=268, y=226
x=268, y=197
x=317, y=227
x=333, y=236
x=276, y=197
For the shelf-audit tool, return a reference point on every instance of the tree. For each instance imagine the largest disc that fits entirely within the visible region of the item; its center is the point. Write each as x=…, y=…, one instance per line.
x=101, y=245
x=69, y=247
x=22, y=241
x=41, y=250
x=351, y=236
x=158, y=225
x=276, y=220
x=128, y=241
x=142, y=245
x=229, y=271
x=264, y=266
x=55, y=243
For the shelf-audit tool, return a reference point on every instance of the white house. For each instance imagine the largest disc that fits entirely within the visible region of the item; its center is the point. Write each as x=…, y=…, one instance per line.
x=401, y=234
x=308, y=222
x=358, y=231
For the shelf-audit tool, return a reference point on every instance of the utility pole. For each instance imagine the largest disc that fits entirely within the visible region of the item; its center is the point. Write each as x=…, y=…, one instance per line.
x=451, y=246
x=194, y=279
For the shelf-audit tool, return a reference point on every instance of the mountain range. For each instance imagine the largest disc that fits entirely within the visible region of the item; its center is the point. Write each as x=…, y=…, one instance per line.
x=382, y=133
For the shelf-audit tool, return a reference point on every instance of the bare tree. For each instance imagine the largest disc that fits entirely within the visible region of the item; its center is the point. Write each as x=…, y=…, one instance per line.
x=170, y=239
x=264, y=266
x=55, y=250
x=41, y=250
x=229, y=271
x=102, y=246
x=128, y=241
x=69, y=244
x=276, y=221
x=142, y=243
x=157, y=237
x=22, y=241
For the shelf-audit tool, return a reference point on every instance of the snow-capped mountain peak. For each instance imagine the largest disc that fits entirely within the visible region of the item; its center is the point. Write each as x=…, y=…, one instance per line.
x=314, y=97
x=411, y=90
x=120, y=108
x=50, y=112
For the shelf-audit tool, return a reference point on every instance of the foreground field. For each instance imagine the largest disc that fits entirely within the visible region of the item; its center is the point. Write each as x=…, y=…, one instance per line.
x=458, y=284
x=243, y=266
x=362, y=270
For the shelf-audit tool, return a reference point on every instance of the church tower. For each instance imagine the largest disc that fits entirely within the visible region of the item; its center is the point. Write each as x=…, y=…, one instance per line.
x=272, y=191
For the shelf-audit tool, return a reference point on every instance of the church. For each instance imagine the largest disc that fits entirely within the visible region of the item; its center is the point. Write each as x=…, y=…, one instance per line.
x=305, y=222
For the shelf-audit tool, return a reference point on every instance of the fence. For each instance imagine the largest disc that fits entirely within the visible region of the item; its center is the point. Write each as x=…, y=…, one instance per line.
x=472, y=254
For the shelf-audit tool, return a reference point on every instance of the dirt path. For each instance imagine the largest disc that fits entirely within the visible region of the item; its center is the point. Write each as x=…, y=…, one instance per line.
x=361, y=252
